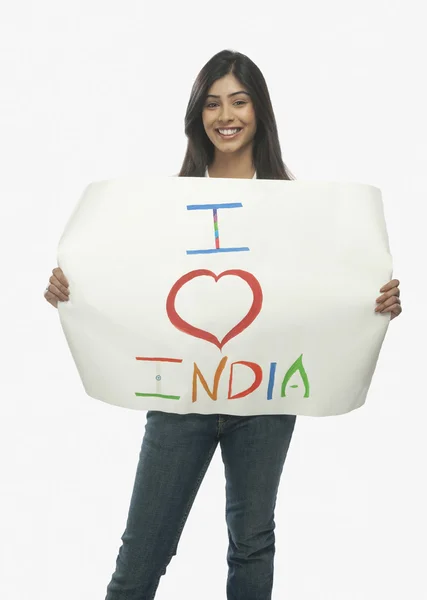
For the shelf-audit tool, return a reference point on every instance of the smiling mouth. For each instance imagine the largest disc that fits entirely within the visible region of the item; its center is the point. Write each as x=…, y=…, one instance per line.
x=228, y=133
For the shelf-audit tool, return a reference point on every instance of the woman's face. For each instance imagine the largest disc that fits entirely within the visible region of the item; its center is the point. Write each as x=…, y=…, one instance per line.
x=227, y=107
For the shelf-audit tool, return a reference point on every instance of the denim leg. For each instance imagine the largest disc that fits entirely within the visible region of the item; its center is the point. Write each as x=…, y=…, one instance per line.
x=254, y=451
x=175, y=454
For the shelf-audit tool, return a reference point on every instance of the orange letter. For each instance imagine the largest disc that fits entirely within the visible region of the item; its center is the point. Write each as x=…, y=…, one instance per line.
x=197, y=373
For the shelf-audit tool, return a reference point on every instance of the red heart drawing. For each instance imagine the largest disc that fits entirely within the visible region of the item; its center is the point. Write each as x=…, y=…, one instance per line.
x=249, y=318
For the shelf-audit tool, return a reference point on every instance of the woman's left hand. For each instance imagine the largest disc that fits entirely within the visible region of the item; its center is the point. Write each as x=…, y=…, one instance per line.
x=390, y=299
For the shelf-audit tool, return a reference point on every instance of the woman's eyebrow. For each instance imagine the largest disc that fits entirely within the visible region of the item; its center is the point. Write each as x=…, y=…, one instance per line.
x=229, y=95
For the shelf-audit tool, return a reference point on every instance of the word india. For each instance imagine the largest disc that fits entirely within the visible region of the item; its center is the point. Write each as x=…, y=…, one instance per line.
x=213, y=392
x=183, y=326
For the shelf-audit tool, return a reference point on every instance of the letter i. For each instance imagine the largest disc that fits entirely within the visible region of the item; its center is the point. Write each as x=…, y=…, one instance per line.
x=271, y=380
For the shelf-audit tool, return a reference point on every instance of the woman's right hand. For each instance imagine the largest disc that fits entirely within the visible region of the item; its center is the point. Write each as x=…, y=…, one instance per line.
x=57, y=290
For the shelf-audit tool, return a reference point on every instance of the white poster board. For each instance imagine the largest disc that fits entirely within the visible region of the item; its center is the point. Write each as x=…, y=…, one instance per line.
x=226, y=296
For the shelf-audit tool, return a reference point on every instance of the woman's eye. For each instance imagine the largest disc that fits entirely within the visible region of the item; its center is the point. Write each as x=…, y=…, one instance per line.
x=213, y=104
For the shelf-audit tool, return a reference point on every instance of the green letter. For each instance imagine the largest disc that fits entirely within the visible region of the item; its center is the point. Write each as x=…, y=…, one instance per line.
x=297, y=366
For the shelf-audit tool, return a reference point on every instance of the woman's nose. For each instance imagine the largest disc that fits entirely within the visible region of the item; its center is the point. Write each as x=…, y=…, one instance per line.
x=226, y=114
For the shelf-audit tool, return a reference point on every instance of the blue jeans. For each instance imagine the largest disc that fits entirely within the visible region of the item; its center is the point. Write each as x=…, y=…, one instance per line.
x=175, y=454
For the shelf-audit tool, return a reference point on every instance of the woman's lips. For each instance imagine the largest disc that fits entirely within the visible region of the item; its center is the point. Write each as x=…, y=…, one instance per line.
x=229, y=136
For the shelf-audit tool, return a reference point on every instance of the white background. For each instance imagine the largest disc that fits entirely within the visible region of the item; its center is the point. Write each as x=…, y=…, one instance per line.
x=93, y=90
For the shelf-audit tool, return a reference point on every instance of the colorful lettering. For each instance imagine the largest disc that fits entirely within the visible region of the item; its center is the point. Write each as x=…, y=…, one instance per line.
x=273, y=366
x=297, y=366
x=258, y=379
x=214, y=208
x=198, y=374
x=158, y=359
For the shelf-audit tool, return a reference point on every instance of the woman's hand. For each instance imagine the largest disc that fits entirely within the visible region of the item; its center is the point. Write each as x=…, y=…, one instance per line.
x=390, y=299
x=57, y=290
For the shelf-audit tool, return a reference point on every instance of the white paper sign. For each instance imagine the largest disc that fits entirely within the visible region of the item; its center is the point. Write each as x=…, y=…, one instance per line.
x=226, y=296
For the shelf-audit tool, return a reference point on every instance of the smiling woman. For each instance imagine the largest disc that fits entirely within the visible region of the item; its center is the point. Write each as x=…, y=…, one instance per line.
x=232, y=133
x=230, y=123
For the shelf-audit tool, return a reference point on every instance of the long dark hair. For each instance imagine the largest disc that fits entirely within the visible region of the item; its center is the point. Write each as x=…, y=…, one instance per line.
x=267, y=155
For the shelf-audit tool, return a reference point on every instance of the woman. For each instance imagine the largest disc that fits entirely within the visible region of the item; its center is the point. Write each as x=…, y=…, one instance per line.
x=232, y=133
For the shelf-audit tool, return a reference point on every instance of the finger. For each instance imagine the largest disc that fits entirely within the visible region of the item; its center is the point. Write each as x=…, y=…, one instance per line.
x=59, y=274
x=391, y=301
x=55, y=291
x=51, y=299
x=55, y=281
x=60, y=277
x=387, y=303
x=396, y=312
x=392, y=292
x=394, y=308
x=391, y=284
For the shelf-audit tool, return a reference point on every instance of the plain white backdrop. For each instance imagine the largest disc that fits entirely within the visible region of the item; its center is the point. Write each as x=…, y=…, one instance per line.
x=94, y=90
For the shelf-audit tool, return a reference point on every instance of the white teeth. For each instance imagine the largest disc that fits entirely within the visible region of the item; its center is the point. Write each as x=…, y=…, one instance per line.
x=228, y=131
